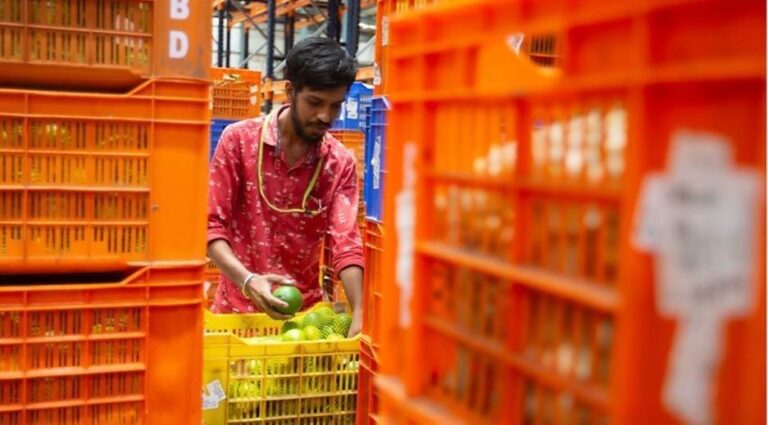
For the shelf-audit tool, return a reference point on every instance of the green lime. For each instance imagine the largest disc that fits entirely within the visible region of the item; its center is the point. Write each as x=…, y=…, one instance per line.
x=288, y=325
x=334, y=337
x=312, y=333
x=290, y=295
x=294, y=335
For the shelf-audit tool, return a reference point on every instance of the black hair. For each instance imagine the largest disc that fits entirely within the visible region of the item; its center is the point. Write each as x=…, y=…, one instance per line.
x=320, y=64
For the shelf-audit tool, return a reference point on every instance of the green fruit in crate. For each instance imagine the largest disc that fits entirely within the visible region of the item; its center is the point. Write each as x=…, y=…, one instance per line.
x=315, y=364
x=254, y=367
x=246, y=389
x=278, y=366
x=294, y=335
x=291, y=296
x=334, y=337
x=311, y=333
x=310, y=365
x=324, y=332
x=315, y=319
x=342, y=362
x=341, y=323
x=275, y=387
x=353, y=366
x=232, y=390
x=325, y=311
x=290, y=324
x=308, y=386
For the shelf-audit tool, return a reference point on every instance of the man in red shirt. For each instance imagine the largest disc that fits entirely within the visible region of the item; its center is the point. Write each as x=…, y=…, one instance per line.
x=278, y=184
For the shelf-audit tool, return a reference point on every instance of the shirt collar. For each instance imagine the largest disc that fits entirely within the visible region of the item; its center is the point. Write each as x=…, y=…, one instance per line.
x=273, y=138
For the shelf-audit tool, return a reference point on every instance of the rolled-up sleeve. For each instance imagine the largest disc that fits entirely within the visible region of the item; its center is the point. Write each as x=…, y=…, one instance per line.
x=223, y=186
x=344, y=234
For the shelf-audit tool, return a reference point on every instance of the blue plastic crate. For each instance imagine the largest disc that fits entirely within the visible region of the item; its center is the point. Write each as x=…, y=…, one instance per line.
x=217, y=127
x=373, y=188
x=352, y=115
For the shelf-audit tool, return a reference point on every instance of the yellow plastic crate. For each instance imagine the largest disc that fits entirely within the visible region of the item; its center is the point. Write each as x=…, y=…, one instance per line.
x=248, y=325
x=260, y=382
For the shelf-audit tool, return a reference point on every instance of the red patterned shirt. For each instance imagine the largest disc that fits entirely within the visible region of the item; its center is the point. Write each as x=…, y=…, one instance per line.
x=268, y=241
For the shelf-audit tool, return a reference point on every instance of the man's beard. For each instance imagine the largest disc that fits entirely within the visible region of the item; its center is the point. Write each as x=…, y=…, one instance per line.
x=299, y=129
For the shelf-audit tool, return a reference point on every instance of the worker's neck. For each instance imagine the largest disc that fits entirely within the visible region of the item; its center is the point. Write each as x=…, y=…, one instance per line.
x=288, y=136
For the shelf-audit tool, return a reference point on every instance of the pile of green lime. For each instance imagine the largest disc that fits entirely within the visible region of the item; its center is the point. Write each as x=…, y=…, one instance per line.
x=320, y=323
x=274, y=376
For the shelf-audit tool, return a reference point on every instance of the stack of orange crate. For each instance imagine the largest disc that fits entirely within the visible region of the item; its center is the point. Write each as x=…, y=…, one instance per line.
x=354, y=140
x=236, y=95
x=368, y=407
x=386, y=11
x=370, y=344
x=104, y=114
x=375, y=172
x=514, y=292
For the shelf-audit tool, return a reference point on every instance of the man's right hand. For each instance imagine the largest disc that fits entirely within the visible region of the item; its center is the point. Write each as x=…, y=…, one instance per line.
x=259, y=290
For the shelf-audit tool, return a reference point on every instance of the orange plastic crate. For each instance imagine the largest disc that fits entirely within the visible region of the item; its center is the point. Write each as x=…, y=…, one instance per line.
x=236, y=93
x=395, y=407
x=333, y=289
x=98, y=182
x=372, y=287
x=529, y=302
x=101, y=43
x=93, y=352
x=354, y=141
x=367, y=394
x=386, y=11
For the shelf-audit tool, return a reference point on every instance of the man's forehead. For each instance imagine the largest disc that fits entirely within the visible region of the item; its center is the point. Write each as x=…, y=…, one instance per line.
x=331, y=95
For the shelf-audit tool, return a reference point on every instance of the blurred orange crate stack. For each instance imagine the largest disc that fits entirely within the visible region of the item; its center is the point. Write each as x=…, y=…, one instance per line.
x=236, y=93
x=372, y=288
x=367, y=394
x=386, y=10
x=94, y=182
x=515, y=190
x=93, y=352
x=101, y=44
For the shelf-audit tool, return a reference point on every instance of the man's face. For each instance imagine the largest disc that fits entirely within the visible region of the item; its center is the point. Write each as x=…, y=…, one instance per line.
x=313, y=111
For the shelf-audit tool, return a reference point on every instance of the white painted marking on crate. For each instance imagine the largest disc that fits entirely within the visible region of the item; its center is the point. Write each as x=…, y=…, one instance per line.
x=698, y=221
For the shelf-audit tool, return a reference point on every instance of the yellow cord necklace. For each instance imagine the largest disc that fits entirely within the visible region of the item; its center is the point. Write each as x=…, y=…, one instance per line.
x=307, y=192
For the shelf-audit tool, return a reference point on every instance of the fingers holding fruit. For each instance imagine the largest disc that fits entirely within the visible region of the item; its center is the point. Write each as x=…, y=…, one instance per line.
x=281, y=304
